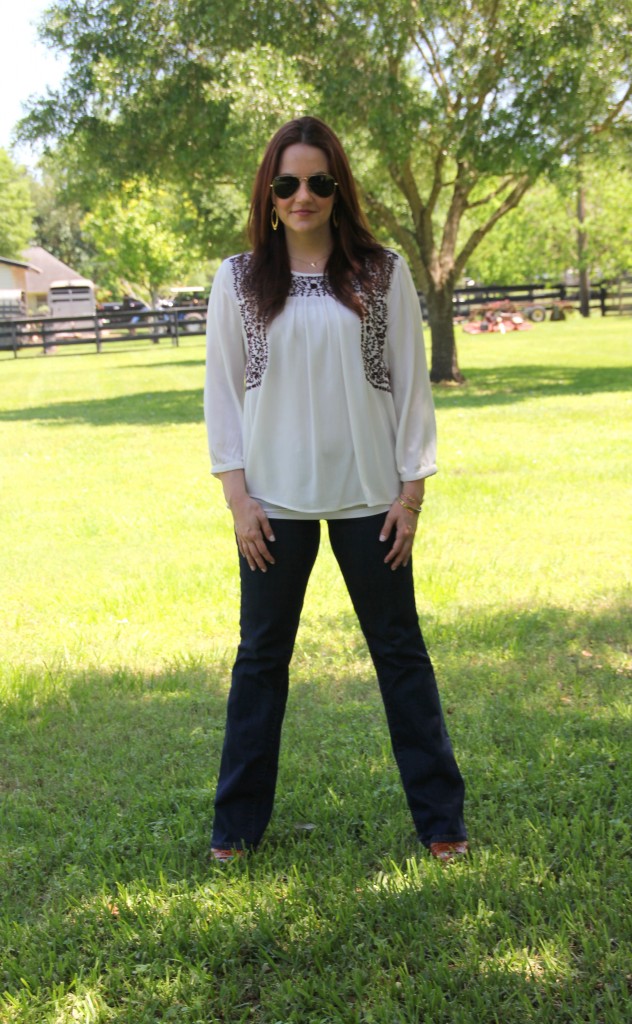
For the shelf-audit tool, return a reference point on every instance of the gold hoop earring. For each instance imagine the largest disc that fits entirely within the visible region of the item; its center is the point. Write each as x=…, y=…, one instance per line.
x=274, y=218
x=334, y=216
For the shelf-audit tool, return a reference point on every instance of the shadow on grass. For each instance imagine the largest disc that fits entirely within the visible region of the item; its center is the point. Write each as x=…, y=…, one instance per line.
x=498, y=386
x=146, y=407
x=166, y=365
x=503, y=385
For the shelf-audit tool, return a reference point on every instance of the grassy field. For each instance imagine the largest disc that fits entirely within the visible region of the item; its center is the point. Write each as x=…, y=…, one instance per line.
x=118, y=619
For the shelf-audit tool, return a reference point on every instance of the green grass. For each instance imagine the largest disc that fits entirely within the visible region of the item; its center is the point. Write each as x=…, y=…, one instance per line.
x=118, y=599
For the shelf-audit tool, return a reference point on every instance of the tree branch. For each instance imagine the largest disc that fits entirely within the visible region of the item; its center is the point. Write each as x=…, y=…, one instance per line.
x=434, y=64
x=458, y=205
x=437, y=183
x=614, y=113
x=405, y=181
x=576, y=140
x=491, y=195
x=511, y=201
x=385, y=217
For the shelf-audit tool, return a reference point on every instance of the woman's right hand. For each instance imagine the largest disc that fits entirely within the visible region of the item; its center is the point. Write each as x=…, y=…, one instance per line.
x=252, y=526
x=252, y=529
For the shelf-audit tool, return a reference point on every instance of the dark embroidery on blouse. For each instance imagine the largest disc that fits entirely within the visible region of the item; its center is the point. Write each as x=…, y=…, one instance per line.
x=373, y=325
x=254, y=325
x=311, y=285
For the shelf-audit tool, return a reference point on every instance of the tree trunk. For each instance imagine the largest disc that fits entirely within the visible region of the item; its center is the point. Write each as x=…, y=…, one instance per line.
x=584, y=284
x=444, y=366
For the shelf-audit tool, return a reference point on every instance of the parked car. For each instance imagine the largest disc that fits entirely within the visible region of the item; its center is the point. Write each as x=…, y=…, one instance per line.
x=189, y=305
x=131, y=313
x=124, y=312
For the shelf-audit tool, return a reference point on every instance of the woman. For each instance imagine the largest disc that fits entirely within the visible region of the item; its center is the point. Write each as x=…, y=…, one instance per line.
x=318, y=406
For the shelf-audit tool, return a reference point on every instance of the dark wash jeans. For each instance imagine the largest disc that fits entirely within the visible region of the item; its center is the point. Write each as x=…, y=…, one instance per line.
x=384, y=602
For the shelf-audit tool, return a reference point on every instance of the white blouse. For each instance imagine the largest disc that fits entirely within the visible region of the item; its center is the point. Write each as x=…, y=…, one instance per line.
x=326, y=414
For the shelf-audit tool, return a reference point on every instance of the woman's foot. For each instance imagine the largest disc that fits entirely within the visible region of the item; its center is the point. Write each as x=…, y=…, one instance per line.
x=225, y=856
x=448, y=851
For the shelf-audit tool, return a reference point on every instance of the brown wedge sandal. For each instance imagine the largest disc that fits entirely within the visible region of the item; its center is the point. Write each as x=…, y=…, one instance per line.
x=449, y=851
x=225, y=856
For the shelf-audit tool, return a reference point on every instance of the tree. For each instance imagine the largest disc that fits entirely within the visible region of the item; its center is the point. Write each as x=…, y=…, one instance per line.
x=57, y=218
x=16, y=208
x=608, y=215
x=538, y=240
x=535, y=241
x=452, y=108
x=139, y=239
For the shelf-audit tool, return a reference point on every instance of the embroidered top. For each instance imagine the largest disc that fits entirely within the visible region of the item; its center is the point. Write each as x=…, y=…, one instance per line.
x=326, y=413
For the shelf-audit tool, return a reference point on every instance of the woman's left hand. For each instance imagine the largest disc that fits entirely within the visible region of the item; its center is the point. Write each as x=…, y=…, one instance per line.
x=404, y=523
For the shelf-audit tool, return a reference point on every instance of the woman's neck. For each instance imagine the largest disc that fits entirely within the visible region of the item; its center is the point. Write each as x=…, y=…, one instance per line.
x=309, y=254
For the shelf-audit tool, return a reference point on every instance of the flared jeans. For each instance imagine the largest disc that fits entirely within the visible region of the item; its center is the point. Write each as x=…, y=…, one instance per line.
x=384, y=602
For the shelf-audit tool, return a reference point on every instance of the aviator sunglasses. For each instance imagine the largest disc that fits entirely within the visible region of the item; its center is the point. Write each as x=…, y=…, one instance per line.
x=285, y=185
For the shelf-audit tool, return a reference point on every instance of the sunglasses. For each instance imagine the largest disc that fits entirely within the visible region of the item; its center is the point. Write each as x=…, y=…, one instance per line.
x=285, y=185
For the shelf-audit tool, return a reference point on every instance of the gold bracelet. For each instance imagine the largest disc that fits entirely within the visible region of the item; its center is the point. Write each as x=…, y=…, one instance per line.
x=412, y=501
x=410, y=508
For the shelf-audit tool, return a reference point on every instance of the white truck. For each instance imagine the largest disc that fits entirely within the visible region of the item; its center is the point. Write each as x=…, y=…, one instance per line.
x=71, y=298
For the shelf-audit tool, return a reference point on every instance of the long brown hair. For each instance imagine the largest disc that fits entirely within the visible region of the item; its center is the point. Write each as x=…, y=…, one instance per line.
x=355, y=256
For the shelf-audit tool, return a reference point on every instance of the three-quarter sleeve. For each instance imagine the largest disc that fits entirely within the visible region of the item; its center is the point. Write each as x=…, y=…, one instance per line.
x=225, y=369
x=416, y=438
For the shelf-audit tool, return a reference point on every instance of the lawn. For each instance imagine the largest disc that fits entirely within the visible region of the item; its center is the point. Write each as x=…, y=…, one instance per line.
x=119, y=616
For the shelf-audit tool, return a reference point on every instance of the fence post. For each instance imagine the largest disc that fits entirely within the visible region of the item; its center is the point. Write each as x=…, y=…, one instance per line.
x=97, y=331
x=603, y=296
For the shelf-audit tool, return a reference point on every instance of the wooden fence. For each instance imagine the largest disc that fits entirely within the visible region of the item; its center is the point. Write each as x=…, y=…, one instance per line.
x=48, y=333
x=606, y=297
x=616, y=296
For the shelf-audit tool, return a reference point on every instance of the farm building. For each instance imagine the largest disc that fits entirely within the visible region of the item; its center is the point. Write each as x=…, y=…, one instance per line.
x=44, y=268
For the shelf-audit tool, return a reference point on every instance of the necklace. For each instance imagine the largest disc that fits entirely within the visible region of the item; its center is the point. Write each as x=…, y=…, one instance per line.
x=310, y=263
